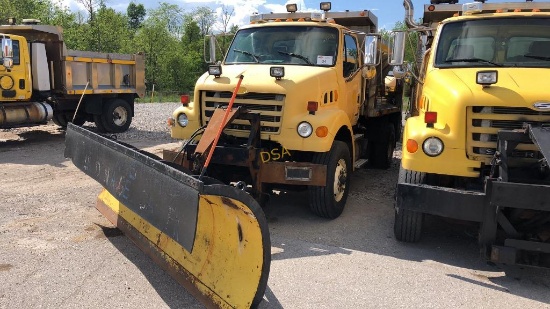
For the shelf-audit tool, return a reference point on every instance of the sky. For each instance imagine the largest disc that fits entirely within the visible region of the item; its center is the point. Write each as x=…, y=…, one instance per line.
x=387, y=11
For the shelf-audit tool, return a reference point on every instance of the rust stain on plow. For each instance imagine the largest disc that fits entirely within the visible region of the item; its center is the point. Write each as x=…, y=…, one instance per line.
x=230, y=203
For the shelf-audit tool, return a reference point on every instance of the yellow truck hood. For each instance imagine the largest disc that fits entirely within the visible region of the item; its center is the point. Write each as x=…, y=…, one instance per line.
x=521, y=87
x=257, y=79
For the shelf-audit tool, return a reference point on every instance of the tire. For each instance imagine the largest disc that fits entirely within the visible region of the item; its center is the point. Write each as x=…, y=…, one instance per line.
x=382, y=152
x=60, y=120
x=117, y=116
x=98, y=120
x=63, y=119
x=329, y=201
x=408, y=223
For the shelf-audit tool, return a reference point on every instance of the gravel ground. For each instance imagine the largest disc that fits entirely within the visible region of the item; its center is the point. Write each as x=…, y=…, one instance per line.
x=150, y=123
x=57, y=251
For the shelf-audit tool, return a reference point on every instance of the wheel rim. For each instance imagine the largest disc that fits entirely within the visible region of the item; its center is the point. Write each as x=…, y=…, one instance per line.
x=120, y=116
x=340, y=177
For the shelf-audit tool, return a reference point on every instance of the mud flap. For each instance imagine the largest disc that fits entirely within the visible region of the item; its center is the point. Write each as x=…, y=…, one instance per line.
x=213, y=239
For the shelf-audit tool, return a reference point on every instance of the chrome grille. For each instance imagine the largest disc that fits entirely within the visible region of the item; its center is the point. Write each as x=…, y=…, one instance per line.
x=485, y=121
x=268, y=105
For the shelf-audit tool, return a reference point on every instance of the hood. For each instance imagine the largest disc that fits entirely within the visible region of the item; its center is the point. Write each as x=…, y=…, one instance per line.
x=520, y=87
x=257, y=79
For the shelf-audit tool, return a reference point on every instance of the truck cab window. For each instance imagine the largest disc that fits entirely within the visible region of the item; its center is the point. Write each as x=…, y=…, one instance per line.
x=351, y=59
x=490, y=43
x=289, y=45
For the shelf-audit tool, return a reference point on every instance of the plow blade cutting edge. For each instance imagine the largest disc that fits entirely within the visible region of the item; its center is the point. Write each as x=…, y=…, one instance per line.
x=212, y=238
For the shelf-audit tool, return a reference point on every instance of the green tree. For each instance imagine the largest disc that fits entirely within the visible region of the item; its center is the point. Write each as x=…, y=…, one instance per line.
x=192, y=57
x=20, y=9
x=136, y=15
x=113, y=30
x=158, y=39
x=205, y=18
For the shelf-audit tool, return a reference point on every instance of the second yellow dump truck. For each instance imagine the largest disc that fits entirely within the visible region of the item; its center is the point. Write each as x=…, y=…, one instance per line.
x=477, y=143
x=41, y=80
x=312, y=106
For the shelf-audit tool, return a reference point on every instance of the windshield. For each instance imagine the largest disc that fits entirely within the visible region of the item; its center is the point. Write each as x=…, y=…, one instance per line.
x=291, y=45
x=507, y=42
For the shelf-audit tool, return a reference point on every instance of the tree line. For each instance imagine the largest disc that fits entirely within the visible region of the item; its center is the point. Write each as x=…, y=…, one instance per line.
x=171, y=38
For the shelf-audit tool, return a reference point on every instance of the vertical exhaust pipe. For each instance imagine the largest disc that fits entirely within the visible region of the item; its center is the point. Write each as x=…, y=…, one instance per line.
x=409, y=14
x=409, y=18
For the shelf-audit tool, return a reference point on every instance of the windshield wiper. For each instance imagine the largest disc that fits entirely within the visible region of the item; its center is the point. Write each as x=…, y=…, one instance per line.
x=474, y=60
x=248, y=54
x=296, y=56
x=538, y=57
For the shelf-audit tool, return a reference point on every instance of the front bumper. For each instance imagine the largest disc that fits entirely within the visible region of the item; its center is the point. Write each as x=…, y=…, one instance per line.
x=440, y=201
x=486, y=209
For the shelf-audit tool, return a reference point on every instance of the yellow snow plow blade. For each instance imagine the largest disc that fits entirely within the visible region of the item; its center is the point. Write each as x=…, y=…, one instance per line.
x=224, y=263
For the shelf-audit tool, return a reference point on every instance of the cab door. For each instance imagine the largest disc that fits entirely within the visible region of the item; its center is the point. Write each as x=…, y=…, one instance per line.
x=351, y=77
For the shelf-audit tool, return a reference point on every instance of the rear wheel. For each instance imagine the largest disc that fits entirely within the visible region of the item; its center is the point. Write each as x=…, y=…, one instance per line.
x=408, y=223
x=117, y=116
x=382, y=152
x=329, y=201
x=98, y=120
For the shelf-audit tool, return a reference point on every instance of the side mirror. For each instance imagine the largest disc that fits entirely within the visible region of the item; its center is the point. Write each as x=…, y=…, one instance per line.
x=210, y=43
x=397, y=40
x=371, y=49
x=7, y=53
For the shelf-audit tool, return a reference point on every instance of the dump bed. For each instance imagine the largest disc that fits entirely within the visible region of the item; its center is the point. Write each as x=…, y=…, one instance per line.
x=103, y=72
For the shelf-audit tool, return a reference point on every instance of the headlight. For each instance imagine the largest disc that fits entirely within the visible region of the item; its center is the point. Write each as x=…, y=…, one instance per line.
x=183, y=121
x=432, y=146
x=305, y=129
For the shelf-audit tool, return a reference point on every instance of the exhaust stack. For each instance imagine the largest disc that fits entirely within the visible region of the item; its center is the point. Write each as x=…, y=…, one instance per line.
x=409, y=14
x=409, y=18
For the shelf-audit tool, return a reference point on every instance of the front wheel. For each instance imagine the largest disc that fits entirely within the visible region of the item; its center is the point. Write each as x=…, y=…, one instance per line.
x=62, y=119
x=117, y=116
x=329, y=201
x=408, y=223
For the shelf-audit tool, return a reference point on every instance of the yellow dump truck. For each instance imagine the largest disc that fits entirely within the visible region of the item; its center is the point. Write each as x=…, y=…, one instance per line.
x=299, y=100
x=476, y=143
x=41, y=80
x=312, y=106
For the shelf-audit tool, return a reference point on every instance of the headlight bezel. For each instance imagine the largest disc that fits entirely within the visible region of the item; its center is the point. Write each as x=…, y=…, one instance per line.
x=304, y=125
x=430, y=141
x=182, y=120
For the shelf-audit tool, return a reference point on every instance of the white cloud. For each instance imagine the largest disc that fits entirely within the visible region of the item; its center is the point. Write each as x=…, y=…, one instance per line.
x=71, y=4
x=242, y=9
